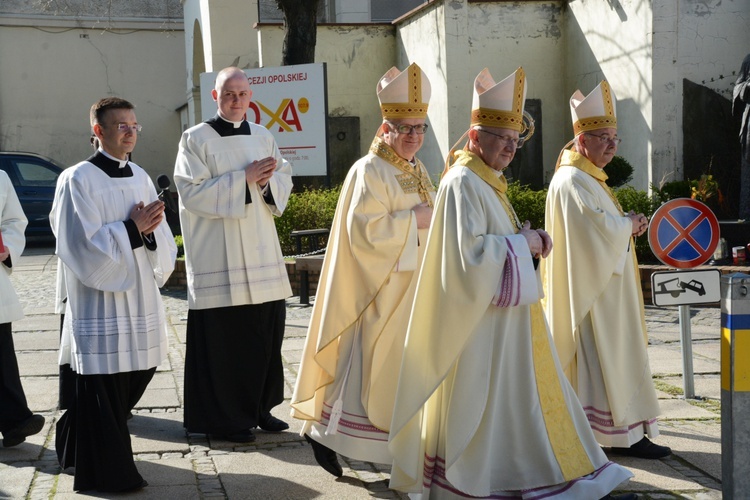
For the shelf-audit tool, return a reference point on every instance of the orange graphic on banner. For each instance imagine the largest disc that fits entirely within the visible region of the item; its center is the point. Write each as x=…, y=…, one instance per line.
x=285, y=115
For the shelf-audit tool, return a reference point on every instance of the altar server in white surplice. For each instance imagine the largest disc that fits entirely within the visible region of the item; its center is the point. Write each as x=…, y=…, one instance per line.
x=349, y=369
x=116, y=250
x=16, y=420
x=594, y=302
x=232, y=182
x=483, y=408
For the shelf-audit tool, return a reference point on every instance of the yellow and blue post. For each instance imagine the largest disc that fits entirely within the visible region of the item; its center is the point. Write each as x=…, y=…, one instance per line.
x=735, y=385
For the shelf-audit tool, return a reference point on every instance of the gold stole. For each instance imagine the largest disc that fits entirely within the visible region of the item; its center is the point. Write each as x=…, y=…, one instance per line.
x=572, y=458
x=413, y=179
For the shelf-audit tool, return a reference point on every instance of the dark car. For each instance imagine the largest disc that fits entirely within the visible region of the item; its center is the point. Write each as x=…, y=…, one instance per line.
x=34, y=177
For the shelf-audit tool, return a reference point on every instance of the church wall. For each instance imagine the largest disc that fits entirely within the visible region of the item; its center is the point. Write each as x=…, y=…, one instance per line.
x=612, y=41
x=52, y=76
x=356, y=56
x=454, y=41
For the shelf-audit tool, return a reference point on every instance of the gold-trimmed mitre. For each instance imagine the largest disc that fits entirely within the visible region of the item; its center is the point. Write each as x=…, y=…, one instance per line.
x=499, y=104
x=404, y=94
x=595, y=111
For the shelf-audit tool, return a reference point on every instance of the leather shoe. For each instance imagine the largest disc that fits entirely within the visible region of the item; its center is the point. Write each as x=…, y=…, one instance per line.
x=246, y=436
x=644, y=449
x=325, y=457
x=269, y=423
x=623, y=496
x=28, y=427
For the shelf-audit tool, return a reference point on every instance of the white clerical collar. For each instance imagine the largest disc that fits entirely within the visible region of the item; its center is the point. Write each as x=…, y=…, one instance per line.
x=234, y=124
x=121, y=163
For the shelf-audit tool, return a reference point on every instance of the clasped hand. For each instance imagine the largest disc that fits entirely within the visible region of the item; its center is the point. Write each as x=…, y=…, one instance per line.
x=147, y=217
x=260, y=171
x=540, y=243
x=639, y=222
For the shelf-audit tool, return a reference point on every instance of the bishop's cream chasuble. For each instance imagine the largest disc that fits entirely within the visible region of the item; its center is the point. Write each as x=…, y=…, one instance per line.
x=592, y=288
x=356, y=333
x=483, y=407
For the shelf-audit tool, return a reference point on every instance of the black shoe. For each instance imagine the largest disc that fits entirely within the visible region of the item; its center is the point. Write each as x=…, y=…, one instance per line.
x=623, y=496
x=644, y=449
x=269, y=423
x=238, y=437
x=28, y=427
x=325, y=457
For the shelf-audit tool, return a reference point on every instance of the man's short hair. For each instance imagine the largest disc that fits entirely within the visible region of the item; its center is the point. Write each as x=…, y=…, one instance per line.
x=101, y=106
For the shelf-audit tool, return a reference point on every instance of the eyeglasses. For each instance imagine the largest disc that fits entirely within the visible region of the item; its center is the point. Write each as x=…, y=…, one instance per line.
x=124, y=127
x=506, y=140
x=403, y=128
x=604, y=138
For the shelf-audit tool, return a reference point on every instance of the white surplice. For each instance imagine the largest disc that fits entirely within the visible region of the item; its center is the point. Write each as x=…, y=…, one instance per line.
x=232, y=251
x=12, y=226
x=114, y=318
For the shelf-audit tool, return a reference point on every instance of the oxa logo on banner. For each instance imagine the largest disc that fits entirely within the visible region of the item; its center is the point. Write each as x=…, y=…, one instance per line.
x=285, y=118
x=290, y=101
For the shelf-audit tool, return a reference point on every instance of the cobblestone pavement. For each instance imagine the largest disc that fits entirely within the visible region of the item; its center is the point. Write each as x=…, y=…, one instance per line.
x=281, y=465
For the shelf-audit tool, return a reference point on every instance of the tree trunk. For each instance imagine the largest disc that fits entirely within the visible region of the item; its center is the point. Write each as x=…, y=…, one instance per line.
x=300, y=18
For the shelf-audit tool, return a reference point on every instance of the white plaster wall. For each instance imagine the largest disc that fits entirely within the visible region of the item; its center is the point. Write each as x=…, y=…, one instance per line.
x=419, y=39
x=356, y=56
x=612, y=41
x=454, y=40
x=51, y=78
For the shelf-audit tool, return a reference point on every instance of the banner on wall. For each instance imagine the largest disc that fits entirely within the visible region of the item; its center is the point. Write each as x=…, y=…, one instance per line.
x=291, y=102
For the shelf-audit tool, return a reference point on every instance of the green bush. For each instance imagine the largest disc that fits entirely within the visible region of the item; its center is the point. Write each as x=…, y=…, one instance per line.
x=180, y=246
x=528, y=203
x=314, y=209
x=308, y=209
x=639, y=202
x=619, y=172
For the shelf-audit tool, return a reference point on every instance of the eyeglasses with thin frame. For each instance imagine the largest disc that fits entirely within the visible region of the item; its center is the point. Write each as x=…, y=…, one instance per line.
x=505, y=139
x=604, y=138
x=125, y=127
x=403, y=128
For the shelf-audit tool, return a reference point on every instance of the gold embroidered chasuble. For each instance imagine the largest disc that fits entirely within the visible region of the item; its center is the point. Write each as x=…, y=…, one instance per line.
x=464, y=358
x=366, y=284
x=593, y=270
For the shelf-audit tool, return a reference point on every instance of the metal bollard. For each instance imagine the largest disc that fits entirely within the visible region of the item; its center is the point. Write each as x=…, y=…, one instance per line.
x=735, y=385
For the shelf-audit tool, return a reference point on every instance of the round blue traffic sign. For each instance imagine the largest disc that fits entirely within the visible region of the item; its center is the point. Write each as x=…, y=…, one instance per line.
x=683, y=233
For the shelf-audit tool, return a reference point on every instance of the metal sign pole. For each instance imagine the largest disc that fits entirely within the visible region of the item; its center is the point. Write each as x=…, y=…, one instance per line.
x=686, y=344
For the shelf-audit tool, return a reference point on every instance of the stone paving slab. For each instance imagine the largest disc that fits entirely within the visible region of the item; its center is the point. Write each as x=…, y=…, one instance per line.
x=667, y=475
x=15, y=479
x=705, y=386
x=697, y=443
x=667, y=360
x=35, y=340
x=158, y=433
x=36, y=363
x=43, y=392
x=679, y=409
